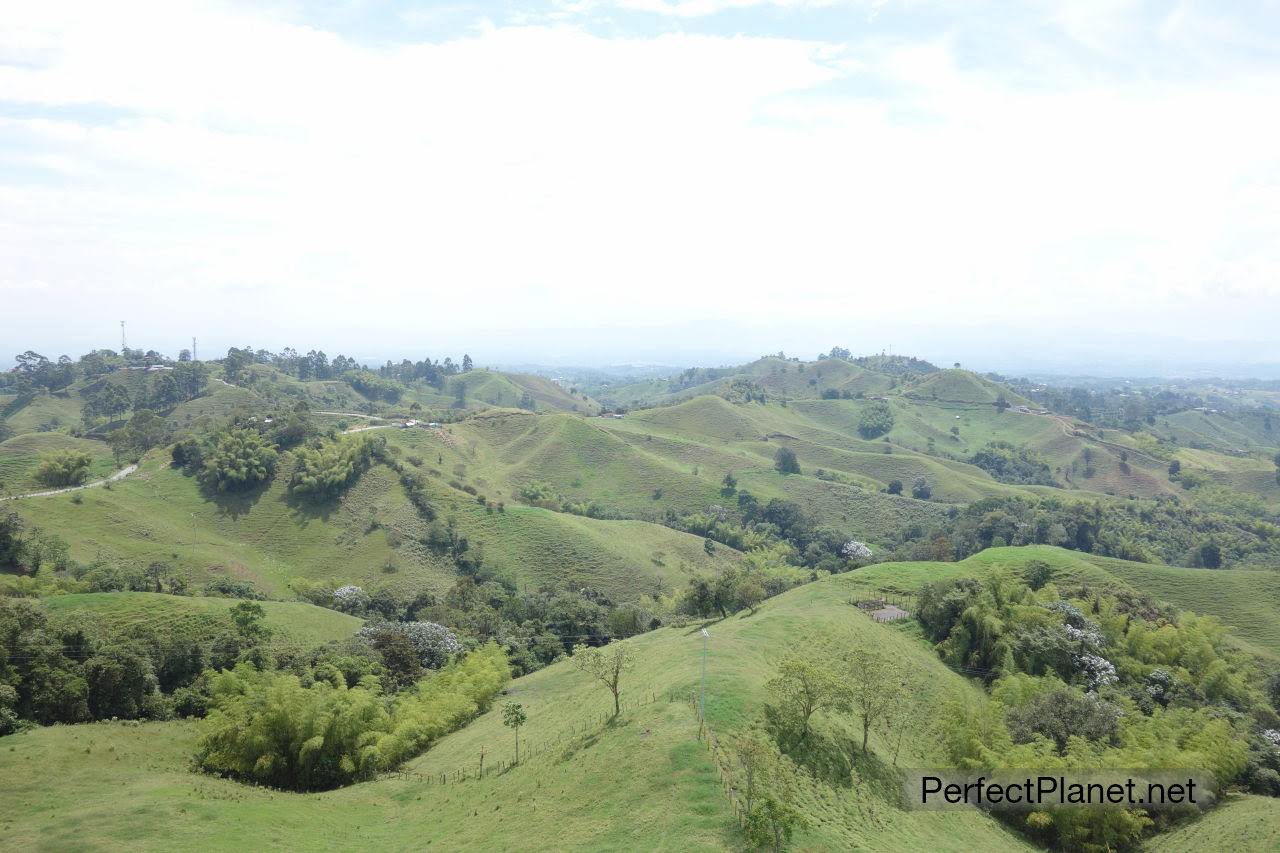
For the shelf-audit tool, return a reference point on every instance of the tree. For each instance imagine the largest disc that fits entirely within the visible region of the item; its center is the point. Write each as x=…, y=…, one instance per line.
x=248, y=618
x=399, y=657
x=13, y=547
x=513, y=717
x=920, y=488
x=876, y=420
x=895, y=487
x=872, y=686
x=109, y=401
x=750, y=594
x=467, y=363
x=785, y=461
x=755, y=754
x=64, y=468
x=1210, y=555
x=729, y=485
x=804, y=685
x=774, y=815
x=605, y=664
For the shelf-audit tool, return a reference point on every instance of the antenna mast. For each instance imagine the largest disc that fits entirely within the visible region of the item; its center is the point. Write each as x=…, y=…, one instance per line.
x=123, y=345
x=194, y=357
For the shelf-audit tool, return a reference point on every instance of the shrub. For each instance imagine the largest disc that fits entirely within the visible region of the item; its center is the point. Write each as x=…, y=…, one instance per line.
x=64, y=468
x=240, y=459
x=329, y=470
x=267, y=727
x=876, y=420
x=1010, y=463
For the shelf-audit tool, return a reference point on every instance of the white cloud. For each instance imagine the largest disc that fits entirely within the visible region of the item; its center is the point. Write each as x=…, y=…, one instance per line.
x=524, y=178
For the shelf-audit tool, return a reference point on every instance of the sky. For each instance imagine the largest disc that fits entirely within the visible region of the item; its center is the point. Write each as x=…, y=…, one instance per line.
x=1037, y=184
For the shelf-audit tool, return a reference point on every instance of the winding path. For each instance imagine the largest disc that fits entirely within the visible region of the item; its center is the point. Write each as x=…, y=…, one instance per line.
x=119, y=475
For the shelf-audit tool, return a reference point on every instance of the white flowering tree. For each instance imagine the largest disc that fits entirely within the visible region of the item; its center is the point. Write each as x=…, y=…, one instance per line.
x=856, y=552
x=350, y=599
x=435, y=644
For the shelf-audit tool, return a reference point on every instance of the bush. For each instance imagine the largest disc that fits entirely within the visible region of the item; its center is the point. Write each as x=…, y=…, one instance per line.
x=876, y=420
x=267, y=727
x=240, y=459
x=64, y=468
x=328, y=471
x=1009, y=463
x=785, y=461
x=921, y=489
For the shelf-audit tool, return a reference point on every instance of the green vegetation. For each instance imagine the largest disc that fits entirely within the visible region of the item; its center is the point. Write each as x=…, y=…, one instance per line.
x=1088, y=590
x=269, y=728
x=1011, y=464
x=876, y=420
x=326, y=471
x=64, y=468
x=239, y=459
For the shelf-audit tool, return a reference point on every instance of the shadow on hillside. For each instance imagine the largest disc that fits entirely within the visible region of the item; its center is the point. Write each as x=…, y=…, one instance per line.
x=589, y=738
x=703, y=626
x=838, y=760
x=234, y=504
x=306, y=509
x=17, y=404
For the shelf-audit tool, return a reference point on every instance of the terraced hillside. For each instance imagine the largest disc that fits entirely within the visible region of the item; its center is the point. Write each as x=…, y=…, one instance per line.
x=290, y=622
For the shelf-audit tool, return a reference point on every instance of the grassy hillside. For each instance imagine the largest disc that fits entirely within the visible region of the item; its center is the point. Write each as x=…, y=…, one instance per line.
x=962, y=386
x=292, y=622
x=40, y=412
x=371, y=536
x=1242, y=822
x=644, y=782
x=20, y=458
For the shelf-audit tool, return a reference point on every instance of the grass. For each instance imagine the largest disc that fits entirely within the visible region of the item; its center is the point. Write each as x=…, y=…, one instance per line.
x=292, y=622
x=20, y=458
x=643, y=781
x=1241, y=822
x=371, y=536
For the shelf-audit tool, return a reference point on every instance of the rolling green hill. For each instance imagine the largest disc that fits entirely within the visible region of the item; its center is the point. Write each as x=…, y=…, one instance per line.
x=643, y=782
x=371, y=536
x=20, y=458
x=291, y=622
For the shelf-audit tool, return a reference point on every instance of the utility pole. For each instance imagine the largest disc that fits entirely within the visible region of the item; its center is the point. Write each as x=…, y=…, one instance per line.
x=702, y=699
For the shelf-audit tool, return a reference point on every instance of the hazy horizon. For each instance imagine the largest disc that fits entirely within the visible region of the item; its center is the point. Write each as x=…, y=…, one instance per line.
x=688, y=181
